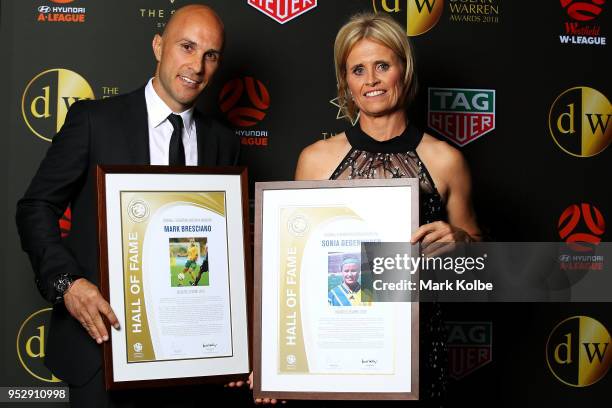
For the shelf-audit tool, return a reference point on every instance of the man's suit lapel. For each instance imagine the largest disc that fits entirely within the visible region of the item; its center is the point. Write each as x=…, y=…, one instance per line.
x=207, y=142
x=137, y=127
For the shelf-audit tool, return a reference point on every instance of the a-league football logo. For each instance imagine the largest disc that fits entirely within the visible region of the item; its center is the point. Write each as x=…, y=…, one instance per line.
x=47, y=98
x=582, y=27
x=461, y=115
x=583, y=10
x=233, y=103
x=578, y=351
x=570, y=231
x=579, y=121
x=65, y=223
x=61, y=12
x=419, y=16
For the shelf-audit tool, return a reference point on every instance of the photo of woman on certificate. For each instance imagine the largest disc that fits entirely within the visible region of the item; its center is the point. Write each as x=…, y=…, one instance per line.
x=348, y=291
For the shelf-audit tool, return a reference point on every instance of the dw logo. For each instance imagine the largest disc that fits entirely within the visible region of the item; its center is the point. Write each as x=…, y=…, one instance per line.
x=578, y=351
x=419, y=16
x=31, y=345
x=47, y=98
x=579, y=120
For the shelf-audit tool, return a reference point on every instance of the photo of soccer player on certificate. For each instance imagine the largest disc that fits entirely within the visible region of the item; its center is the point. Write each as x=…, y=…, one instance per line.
x=316, y=338
x=174, y=263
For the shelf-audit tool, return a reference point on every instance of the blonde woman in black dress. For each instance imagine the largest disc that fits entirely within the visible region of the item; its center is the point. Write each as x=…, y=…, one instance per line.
x=375, y=71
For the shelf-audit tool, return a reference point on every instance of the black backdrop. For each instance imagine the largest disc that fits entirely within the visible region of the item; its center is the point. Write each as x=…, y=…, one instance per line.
x=523, y=180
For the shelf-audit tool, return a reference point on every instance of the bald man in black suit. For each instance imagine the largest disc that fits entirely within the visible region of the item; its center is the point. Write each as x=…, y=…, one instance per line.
x=156, y=124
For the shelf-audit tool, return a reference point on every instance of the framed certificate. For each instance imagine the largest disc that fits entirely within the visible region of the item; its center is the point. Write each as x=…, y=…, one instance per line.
x=174, y=261
x=315, y=338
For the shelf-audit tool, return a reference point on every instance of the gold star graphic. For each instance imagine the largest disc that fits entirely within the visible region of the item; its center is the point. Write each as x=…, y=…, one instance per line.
x=341, y=115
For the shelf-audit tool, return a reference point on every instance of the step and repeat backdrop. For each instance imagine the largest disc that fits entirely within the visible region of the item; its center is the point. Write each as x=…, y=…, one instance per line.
x=521, y=87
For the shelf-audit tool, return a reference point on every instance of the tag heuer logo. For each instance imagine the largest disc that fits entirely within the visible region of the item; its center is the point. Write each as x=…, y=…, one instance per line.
x=461, y=115
x=283, y=10
x=469, y=347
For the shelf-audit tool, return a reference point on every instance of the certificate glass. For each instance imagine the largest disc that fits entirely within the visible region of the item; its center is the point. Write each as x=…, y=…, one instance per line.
x=173, y=262
x=314, y=337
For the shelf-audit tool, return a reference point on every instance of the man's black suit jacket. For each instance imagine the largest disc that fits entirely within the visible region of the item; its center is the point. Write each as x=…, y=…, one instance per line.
x=108, y=131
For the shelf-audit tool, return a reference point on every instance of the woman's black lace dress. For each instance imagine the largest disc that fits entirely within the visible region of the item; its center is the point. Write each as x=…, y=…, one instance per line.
x=394, y=158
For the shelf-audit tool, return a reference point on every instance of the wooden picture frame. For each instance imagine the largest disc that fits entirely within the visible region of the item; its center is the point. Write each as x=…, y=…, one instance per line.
x=290, y=219
x=174, y=263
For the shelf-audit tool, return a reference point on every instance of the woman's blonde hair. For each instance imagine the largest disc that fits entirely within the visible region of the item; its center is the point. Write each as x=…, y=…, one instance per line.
x=384, y=30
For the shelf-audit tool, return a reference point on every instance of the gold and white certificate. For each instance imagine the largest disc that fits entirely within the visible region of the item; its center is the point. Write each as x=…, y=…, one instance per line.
x=315, y=335
x=175, y=253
